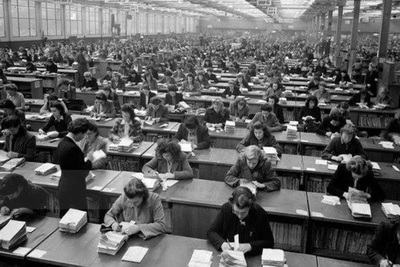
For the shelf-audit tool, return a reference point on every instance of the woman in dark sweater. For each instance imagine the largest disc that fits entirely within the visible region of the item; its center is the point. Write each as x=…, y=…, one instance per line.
x=276, y=108
x=310, y=109
x=59, y=119
x=356, y=173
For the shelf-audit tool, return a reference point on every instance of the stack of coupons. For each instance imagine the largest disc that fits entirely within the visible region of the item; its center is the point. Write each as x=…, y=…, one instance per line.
x=230, y=126
x=12, y=234
x=271, y=154
x=291, y=131
x=283, y=100
x=185, y=146
x=73, y=221
x=272, y=258
x=111, y=242
x=46, y=169
x=390, y=210
x=233, y=258
x=10, y=165
x=200, y=258
x=125, y=145
x=331, y=200
x=387, y=144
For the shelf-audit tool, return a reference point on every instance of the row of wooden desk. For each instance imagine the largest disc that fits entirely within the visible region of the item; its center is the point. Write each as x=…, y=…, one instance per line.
x=300, y=222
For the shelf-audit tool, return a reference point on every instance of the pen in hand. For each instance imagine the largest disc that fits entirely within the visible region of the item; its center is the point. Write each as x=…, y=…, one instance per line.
x=229, y=244
x=388, y=261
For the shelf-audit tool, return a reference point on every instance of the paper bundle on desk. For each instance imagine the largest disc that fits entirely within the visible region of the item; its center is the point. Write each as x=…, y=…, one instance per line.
x=73, y=221
x=13, y=234
x=283, y=100
x=184, y=105
x=346, y=157
x=358, y=204
x=273, y=258
x=331, y=200
x=376, y=168
x=125, y=145
x=186, y=147
x=230, y=126
x=233, y=258
x=46, y=169
x=3, y=156
x=200, y=258
x=387, y=144
x=149, y=180
x=135, y=254
x=291, y=131
x=140, y=113
x=271, y=154
x=150, y=122
x=390, y=210
x=10, y=165
x=4, y=219
x=244, y=90
x=213, y=89
x=111, y=242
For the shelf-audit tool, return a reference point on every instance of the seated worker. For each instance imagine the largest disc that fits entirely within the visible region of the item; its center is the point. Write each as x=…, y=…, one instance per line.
x=310, y=109
x=20, y=197
x=149, y=81
x=194, y=133
x=276, y=108
x=331, y=125
x=274, y=89
x=178, y=74
x=342, y=109
x=346, y=143
x=232, y=91
x=103, y=108
x=64, y=89
x=10, y=110
x=112, y=96
x=345, y=77
x=16, y=97
x=322, y=94
x=361, y=97
x=108, y=76
x=216, y=115
x=392, y=133
x=145, y=96
x=191, y=86
x=140, y=205
x=241, y=82
x=383, y=251
x=210, y=76
x=167, y=79
x=201, y=79
x=50, y=66
x=356, y=173
x=383, y=97
x=133, y=77
x=116, y=81
x=19, y=143
x=59, y=119
x=173, y=98
x=239, y=109
x=156, y=110
x=371, y=79
x=30, y=67
x=95, y=142
x=313, y=85
x=89, y=83
x=267, y=117
x=337, y=76
x=169, y=162
x=259, y=136
x=127, y=126
x=241, y=215
x=252, y=167
x=48, y=100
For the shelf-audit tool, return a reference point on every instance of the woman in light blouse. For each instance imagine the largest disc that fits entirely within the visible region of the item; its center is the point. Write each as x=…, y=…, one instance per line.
x=139, y=205
x=126, y=126
x=14, y=96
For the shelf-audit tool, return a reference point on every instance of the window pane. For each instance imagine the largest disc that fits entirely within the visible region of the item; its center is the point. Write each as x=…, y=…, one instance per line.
x=24, y=27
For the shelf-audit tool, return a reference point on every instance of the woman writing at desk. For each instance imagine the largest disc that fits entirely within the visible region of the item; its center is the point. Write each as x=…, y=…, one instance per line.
x=16, y=97
x=169, y=162
x=193, y=132
x=126, y=126
x=157, y=111
x=59, y=119
x=11, y=110
x=103, y=108
x=139, y=205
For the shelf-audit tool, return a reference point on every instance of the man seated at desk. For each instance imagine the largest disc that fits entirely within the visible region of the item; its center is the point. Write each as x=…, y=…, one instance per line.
x=384, y=249
x=251, y=167
x=267, y=117
x=242, y=216
x=361, y=97
x=239, y=109
x=173, y=98
x=126, y=126
x=141, y=206
x=157, y=111
x=60, y=119
x=89, y=83
x=20, y=197
x=331, y=125
x=50, y=66
x=232, y=91
x=210, y=76
x=194, y=133
x=11, y=110
x=356, y=173
x=145, y=96
x=216, y=115
x=345, y=144
x=392, y=133
x=103, y=108
x=19, y=143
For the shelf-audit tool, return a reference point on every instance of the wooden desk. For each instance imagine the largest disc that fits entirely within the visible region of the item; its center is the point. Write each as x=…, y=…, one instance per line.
x=130, y=161
x=335, y=233
x=153, y=131
x=322, y=261
x=29, y=87
x=223, y=139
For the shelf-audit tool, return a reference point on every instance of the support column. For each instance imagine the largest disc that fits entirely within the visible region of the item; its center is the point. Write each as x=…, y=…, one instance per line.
x=385, y=27
x=354, y=34
x=317, y=29
x=338, y=58
x=328, y=33
x=323, y=23
x=329, y=26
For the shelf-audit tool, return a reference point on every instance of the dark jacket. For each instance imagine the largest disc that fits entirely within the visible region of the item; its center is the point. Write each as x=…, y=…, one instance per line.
x=393, y=128
x=211, y=77
x=162, y=112
x=384, y=243
x=278, y=111
x=262, y=173
x=326, y=126
x=142, y=101
x=270, y=120
x=228, y=92
x=315, y=112
x=357, y=99
x=371, y=78
x=168, y=99
x=52, y=68
x=256, y=231
x=74, y=169
x=180, y=167
x=23, y=143
x=250, y=139
x=92, y=84
x=203, y=138
x=342, y=179
x=336, y=148
x=60, y=126
x=212, y=116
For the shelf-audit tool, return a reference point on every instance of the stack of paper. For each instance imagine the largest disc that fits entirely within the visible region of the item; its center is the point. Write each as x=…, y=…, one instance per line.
x=10, y=165
x=283, y=100
x=140, y=113
x=273, y=257
x=46, y=169
x=346, y=157
x=150, y=122
x=186, y=147
x=291, y=131
x=271, y=154
x=12, y=234
x=3, y=156
x=4, y=219
x=150, y=181
x=230, y=126
x=73, y=221
x=293, y=123
x=233, y=258
x=376, y=168
x=358, y=204
x=111, y=242
x=125, y=145
x=390, y=210
x=331, y=200
x=244, y=90
x=98, y=155
x=200, y=258
x=184, y=105
x=135, y=254
x=387, y=144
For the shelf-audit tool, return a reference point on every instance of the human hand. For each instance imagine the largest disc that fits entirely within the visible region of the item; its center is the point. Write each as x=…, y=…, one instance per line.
x=259, y=185
x=131, y=230
x=225, y=246
x=89, y=156
x=328, y=134
x=337, y=158
x=41, y=131
x=244, y=247
x=157, y=119
x=194, y=146
x=4, y=211
x=15, y=213
x=116, y=227
x=12, y=154
x=6, y=132
x=385, y=263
